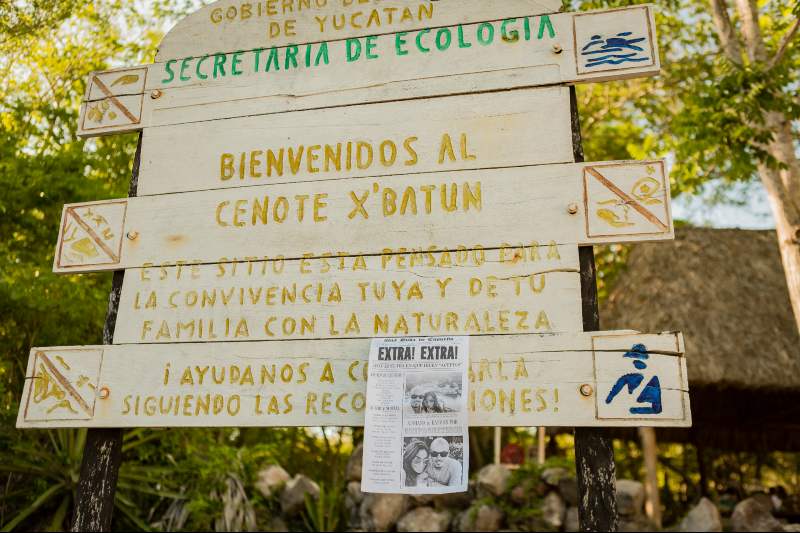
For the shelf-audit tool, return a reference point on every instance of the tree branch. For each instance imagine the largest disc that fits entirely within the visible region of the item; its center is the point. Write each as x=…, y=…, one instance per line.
x=784, y=46
x=725, y=31
x=748, y=10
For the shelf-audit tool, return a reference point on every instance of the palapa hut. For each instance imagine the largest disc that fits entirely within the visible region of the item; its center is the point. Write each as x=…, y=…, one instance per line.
x=725, y=290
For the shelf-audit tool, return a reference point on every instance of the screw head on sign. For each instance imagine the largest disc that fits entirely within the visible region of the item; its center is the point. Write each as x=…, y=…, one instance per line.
x=105, y=392
x=557, y=49
x=572, y=209
x=586, y=390
x=133, y=235
x=156, y=94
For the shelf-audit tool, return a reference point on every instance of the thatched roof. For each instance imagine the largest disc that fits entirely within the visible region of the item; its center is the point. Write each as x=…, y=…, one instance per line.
x=726, y=291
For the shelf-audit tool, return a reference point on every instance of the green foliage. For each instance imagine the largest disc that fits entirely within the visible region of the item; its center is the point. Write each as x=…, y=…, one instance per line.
x=47, y=50
x=325, y=513
x=18, y=19
x=703, y=111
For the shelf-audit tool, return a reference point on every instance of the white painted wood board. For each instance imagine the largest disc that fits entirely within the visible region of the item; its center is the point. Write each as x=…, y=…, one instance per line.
x=365, y=216
x=505, y=129
x=515, y=380
x=236, y=25
x=496, y=55
x=531, y=289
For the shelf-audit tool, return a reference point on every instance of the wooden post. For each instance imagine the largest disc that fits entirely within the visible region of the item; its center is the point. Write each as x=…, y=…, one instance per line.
x=652, y=506
x=541, y=454
x=102, y=454
x=594, y=451
x=498, y=443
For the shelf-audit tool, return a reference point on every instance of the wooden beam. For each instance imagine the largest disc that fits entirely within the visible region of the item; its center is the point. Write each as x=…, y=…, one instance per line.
x=514, y=290
x=229, y=26
x=466, y=132
x=515, y=380
x=484, y=209
x=498, y=54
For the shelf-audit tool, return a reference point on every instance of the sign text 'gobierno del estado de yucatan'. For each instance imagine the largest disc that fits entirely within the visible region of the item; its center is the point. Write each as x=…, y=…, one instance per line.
x=494, y=55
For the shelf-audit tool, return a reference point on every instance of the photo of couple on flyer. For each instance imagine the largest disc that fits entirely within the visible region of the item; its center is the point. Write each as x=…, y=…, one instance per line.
x=432, y=393
x=433, y=461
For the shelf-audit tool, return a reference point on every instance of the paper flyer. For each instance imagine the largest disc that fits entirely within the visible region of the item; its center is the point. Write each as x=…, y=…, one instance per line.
x=416, y=429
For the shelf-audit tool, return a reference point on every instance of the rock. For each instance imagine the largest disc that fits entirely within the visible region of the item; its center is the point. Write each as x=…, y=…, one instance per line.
x=293, y=497
x=488, y=518
x=353, y=468
x=571, y=521
x=422, y=500
x=275, y=523
x=380, y=512
x=493, y=480
x=454, y=500
x=764, y=499
x=271, y=480
x=484, y=518
x=791, y=528
x=519, y=495
x=552, y=476
x=352, y=503
x=635, y=524
x=424, y=519
x=754, y=514
x=630, y=497
x=703, y=517
x=554, y=510
x=568, y=488
x=354, y=493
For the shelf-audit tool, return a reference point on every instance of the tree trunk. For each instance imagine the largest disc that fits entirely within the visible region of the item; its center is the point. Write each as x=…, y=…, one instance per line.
x=788, y=229
x=783, y=189
x=783, y=185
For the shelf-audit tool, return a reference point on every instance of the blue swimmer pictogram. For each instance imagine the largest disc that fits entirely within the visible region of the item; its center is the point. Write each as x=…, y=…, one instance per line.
x=650, y=396
x=614, y=50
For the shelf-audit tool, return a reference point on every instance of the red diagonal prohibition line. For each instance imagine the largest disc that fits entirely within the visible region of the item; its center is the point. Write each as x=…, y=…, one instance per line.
x=64, y=383
x=113, y=99
x=95, y=237
x=627, y=199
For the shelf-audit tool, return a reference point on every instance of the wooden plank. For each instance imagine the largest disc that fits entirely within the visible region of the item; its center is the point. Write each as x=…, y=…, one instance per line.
x=366, y=216
x=236, y=25
x=515, y=380
x=507, y=291
x=495, y=55
x=506, y=129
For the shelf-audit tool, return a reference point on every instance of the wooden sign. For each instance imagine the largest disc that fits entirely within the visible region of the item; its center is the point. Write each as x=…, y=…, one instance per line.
x=237, y=25
x=579, y=379
x=564, y=204
x=524, y=127
x=525, y=289
x=499, y=53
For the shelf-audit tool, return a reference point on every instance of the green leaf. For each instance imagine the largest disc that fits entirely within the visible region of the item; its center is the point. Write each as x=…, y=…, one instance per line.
x=32, y=508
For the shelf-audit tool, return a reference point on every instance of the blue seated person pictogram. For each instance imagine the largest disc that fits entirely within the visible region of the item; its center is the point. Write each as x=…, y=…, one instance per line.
x=650, y=397
x=614, y=50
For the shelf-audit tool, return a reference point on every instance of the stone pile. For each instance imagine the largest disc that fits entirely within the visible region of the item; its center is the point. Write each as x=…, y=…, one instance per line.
x=496, y=503
x=493, y=503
